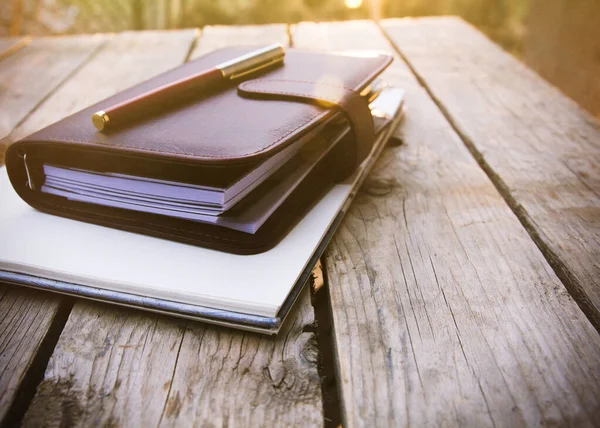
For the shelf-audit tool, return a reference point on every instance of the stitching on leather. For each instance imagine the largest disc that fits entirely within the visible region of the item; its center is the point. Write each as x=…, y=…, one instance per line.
x=146, y=149
x=298, y=94
x=218, y=238
x=95, y=143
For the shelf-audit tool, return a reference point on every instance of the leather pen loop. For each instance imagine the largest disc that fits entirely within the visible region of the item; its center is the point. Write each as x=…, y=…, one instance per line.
x=351, y=104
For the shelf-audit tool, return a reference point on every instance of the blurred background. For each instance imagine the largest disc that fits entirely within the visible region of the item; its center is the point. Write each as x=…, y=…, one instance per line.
x=558, y=38
x=501, y=19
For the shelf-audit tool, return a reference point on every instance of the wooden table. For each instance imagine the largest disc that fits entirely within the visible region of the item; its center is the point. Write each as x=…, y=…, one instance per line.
x=463, y=287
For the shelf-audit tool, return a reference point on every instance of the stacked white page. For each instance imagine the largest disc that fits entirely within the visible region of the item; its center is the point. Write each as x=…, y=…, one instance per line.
x=204, y=200
x=180, y=200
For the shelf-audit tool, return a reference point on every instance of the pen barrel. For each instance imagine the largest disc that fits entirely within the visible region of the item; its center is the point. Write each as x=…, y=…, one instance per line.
x=160, y=99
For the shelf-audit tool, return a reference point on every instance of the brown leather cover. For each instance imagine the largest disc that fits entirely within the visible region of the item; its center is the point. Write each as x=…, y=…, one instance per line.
x=213, y=134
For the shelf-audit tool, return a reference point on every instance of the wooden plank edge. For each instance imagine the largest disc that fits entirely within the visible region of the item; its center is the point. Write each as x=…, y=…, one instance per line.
x=34, y=374
x=562, y=271
x=19, y=43
x=57, y=317
x=378, y=388
x=7, y=140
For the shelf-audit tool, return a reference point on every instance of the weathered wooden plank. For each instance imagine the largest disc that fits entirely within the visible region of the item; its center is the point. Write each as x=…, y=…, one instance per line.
x=129, y=368
x=122, y=367
x=27, y=316
x=33, y=72
x=130, y=58
x=444, y=310
x=539, y=147
x=9, y=45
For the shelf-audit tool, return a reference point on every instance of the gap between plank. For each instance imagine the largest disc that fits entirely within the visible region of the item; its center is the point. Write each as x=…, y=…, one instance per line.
x=326, y=367
x=193, y=45
x=34, y=376
x=288, y=33
x=50, y=93
x=562, y=271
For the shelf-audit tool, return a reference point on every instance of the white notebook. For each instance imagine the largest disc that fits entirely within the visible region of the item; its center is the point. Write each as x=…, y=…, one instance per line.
x=252, y=292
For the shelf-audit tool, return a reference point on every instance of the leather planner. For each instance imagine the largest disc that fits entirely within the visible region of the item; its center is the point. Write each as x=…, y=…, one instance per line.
x=232, y=169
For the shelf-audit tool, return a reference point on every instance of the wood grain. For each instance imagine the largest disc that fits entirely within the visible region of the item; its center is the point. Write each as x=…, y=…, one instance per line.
x=129, y=368
x=444, y=310
x=25, y=317
x=9, y=45
x=30, y=314
x=541, y=150
x=122, y=367
x=30, y=74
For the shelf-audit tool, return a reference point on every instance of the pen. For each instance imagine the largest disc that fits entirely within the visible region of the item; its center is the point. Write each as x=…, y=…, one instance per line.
x=211, y=79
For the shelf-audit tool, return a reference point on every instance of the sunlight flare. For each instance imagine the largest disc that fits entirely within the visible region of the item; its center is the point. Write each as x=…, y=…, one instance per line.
x=353, y=4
